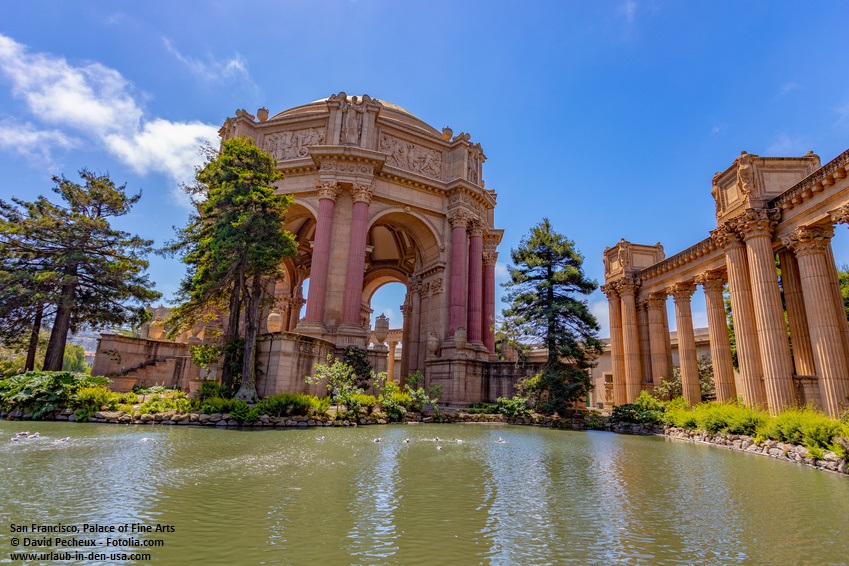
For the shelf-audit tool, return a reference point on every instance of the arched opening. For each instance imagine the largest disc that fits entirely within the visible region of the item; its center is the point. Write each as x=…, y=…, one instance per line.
x=387, y=301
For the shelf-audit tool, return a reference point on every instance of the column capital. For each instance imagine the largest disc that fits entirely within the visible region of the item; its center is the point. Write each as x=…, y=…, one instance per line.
x=656, y=301
x=711, y=280
x=361, y=192
x=611, y=290
x=627, y=287
x=726, y=237
x=406, y=309
x=682, y=291
x=756, y=222
x=490, y=258
x=459, y=218
x=809, y=239
x=415, y=284
x=327, y=190
x=476, y=228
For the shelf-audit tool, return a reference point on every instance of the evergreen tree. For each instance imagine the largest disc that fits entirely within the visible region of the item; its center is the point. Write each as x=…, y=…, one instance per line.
x=68, y=261
x=232, y=246
x=544, y=291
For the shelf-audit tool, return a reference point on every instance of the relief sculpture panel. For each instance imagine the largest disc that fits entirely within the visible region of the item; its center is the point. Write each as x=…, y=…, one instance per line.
x=293, y=144
x=409, y=156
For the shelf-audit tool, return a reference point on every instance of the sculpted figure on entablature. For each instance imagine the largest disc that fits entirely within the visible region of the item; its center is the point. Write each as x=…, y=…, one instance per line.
x=409, y=156
x=745, y=177
x=352, y=121
x=292, y=144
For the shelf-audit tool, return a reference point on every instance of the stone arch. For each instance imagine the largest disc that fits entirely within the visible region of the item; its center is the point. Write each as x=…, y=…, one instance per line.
x=417, y=226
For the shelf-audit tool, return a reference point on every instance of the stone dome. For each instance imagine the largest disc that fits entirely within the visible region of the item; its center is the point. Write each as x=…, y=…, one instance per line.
x=389, y=110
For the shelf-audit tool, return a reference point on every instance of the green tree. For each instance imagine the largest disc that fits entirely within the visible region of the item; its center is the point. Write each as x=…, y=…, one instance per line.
x=232, y=245
x=74, y=360
x=546, y=282
x=69, y=259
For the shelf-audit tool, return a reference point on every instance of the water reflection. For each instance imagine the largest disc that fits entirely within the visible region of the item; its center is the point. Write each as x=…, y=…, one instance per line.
x=539, y=497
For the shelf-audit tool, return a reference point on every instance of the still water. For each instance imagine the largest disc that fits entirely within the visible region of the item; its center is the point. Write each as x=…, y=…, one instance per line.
x=538, y=497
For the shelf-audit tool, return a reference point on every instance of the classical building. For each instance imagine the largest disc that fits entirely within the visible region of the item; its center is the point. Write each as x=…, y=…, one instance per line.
x=379, y=197
x=765, y=206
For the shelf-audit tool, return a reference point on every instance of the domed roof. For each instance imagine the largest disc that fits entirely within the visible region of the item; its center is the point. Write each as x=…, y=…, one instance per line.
x=390, y=110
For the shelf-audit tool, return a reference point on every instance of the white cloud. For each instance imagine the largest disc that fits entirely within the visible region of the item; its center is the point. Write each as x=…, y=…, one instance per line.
x=27, y=140
x=785, y=145
x=501, y=272
x=718, y=128
x=233, y=68
x=787, y=87
x=95, y=101
x=601, y=312
x=628, y=9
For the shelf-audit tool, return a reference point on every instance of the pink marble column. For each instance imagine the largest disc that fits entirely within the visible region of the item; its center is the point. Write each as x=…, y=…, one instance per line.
x=720, y=347
x=824, y=318
x=620, y=392
x=743, y=315
x=459, y=292
x=415, y=286
x=327, y=193
x=352, y=304
x=682, y=293
x=475, y=302
x=756, y=228
x=489, y=260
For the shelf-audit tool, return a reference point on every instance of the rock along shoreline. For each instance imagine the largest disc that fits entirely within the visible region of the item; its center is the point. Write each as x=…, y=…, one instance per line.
x=774, y=449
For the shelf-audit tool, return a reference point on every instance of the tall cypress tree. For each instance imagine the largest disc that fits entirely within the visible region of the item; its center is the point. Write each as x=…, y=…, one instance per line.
x=67, y=260
x=235, y=243
x=544, y=292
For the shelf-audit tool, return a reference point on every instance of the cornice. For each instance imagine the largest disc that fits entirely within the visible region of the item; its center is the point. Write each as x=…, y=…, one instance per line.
x=814, y=183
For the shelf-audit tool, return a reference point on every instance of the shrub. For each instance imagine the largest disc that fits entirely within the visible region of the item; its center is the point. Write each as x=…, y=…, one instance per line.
x=242, y=412
x=40, y=392
x=482, y=409
x=130, y=398
x=361, y=402
x=513, y=407
x=209, y=389
x=285, y=404
x=648, y=403
x=633, y=413
x=394, y=402
x=152, y=390
x=95, y=398
x=216, y=405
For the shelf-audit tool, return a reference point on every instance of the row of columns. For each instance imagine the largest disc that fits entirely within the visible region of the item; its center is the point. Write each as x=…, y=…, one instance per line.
x=472, y=282
x=818, y=327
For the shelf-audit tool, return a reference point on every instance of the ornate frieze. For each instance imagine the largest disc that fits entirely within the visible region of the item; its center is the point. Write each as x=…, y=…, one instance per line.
x=409, y=156
x=293, y=144
x=458, y=198
x=437, y=286
x=346, y=167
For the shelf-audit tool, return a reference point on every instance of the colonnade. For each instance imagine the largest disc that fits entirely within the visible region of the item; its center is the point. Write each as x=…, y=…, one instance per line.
x=818, y=328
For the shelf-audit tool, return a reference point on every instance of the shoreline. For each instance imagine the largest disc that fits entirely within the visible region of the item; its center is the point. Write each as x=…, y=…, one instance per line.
x=791, y=453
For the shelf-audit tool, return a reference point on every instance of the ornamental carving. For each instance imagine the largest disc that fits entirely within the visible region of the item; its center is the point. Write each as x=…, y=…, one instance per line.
x=476, y=227
x=327, y=189
x=459, y=218
x=711, y=280
x=490, y=258
x=682, y=291
x=352, y=120
x=436, y=286
x=425, y=291
x=411, y=157
x=347, y=167
x=726, y=237
x=473, y=164
x=414, y=284
x=756, y=222
x=841, y=215
x=627, y=287
x=745, y=175
x=293, y=144
x=656, y=301
x=807, y=240
x=611, y=290
x=460, y=198
x=362, y=193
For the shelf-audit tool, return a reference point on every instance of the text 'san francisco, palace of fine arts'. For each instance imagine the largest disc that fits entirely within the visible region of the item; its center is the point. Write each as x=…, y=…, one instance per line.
x=381, y=196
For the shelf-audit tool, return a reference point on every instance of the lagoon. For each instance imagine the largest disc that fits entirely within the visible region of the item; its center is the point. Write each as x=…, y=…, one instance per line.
x=539, y=497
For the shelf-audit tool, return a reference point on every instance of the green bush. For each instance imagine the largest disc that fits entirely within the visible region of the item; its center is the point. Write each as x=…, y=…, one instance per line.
x=361, y=402
x=648, y=403
x=216, y=405
x=513, y=407
x=803, y=426
x=482, y=409
x=95, y=398
x=395, y=402
x=152, y=390
x=286, y=404
x=209, y=389
x=633, y=413
x=242, y=412
x=40, y=392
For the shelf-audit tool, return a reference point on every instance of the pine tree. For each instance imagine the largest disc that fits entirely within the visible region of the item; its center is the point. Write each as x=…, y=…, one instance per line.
x=68, y=261
x=232, y=246
x=544, y=291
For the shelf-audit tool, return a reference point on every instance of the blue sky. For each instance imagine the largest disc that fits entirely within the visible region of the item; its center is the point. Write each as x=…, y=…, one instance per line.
x=608, y=117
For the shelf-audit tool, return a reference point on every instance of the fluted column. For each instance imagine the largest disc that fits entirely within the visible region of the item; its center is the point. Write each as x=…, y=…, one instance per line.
x=475, y=301
x=630, y=341
x=824, y=322
x=390, y=363
x=459, y=264
x=681, y=294
x=489, y=260
x=327, y=193
x=645, y=345
x=415, y=323
x=617, y=356
x=658, y=338
x=720, y=347
x=356, y=255
x=838, y=297
x=800, y=338
x=406, y=310
x=743, y=316
x=756, y=228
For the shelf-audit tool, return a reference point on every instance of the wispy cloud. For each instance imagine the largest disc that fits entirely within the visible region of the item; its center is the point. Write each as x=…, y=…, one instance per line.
x=785, y=145
x=33, y=143
x=718, y=128
x=787, y=87
x=96, y=102
x=212, y=69
x=628, y=10
x=601, y=312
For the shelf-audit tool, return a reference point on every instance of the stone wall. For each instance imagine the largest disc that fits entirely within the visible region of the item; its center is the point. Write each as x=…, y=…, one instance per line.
x=152, y=362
